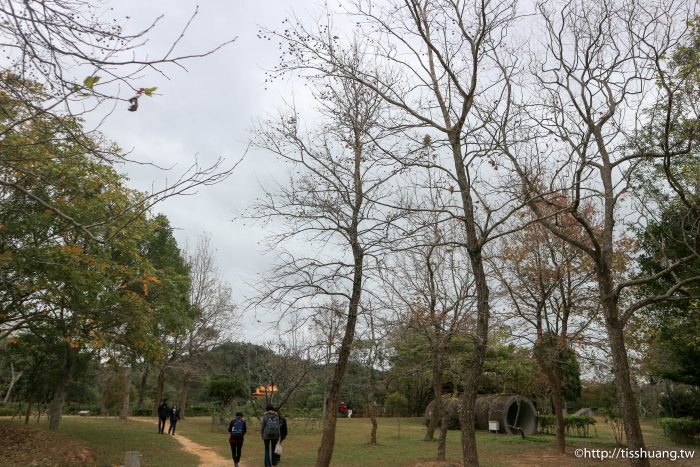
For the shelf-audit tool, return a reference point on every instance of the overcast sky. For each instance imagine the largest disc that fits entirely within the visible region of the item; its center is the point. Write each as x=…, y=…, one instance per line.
x=206, y=113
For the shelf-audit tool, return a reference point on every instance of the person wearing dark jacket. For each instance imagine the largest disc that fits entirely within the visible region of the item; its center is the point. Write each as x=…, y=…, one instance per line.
x=174, y=418
x=283, y=435
x=270, y=433
x=237, y=427
x=163, y=414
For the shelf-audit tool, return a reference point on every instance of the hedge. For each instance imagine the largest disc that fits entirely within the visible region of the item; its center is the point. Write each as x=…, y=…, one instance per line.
x=682, y=430
x=574, y=426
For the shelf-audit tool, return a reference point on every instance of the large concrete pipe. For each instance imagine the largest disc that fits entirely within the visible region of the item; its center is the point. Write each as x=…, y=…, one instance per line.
x=512, y=413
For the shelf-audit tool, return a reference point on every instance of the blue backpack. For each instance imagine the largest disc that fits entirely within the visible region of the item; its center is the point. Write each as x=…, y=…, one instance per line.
x=237, y=429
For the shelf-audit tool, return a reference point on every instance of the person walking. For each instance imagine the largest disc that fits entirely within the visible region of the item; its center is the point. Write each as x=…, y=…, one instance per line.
x=349, y=406
x=163, y=413
x=283, y=434
x=174, y=418
x=343, y=409
x=237, y=427
x=270, y=433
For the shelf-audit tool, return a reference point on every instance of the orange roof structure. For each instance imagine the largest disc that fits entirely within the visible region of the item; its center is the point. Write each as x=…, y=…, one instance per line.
x=264, y=391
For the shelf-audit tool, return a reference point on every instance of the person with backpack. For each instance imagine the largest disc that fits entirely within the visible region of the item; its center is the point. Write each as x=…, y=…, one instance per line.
x=238, y=429
x=163, y=414
x=174, y=418
x=271, y=433
x=283, y=434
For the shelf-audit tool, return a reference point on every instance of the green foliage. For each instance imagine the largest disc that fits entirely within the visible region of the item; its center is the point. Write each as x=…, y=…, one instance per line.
x=681, y=401
x=395, y=403
x=682, y=430
x=508, y=369
x=553, y=354
x=225, y=388
x=79, y=277
x=599, y=395
x=573, y=425
x=612, y=417
x=7, y=411
x=200, y=410
x=671, y=327
x=90, y=81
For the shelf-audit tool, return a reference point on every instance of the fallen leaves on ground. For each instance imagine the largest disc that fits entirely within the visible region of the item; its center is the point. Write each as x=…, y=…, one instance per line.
x=31, y=446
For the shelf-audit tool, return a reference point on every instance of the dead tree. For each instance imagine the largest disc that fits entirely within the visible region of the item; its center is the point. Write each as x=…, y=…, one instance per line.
x=430, y=286
x=330, y=204
x=578, y=118
x=550, y=291
x=326, y=327
x=432, y=57
x=215, y=315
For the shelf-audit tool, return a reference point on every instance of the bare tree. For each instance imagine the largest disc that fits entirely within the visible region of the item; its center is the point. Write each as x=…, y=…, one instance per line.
x=332, y=204
x=433, y=58
x=326, y=327
x=214, y=313
x=550, y=290
x=430, y=284
x=579, y=122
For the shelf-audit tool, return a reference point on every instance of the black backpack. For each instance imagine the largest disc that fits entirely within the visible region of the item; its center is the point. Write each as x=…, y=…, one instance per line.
x=272, y=428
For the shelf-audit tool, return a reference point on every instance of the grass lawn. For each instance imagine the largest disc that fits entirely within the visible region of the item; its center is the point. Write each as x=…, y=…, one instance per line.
x=110, y=438
x=351, y=448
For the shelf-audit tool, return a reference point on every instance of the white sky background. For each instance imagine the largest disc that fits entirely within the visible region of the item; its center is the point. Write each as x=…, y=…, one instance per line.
x=207, y=113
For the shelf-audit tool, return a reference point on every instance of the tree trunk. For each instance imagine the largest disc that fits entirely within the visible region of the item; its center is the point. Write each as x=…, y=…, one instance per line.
x=371, y=407
x=558, y=401
x=442, y=441
x=325, y=451
x=59, y=396
x=126, y=396
x=186, y=382
x=436, y=418
x=628, y=403
x=373, y=419
x=142, y=386
x=13, y=379
x=29, y=411
x=325, y=405
x=160, y=383
x=548, y=360
x=470, y=457
x=474, y=249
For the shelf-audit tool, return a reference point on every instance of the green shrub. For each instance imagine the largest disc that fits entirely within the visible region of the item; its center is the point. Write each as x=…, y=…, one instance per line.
x=142, y=412
x=199, y=410
x=7, y=411
x=303, y=412
x=574, y=426
x=396, y=404
x=681, y=402
x=682, y=430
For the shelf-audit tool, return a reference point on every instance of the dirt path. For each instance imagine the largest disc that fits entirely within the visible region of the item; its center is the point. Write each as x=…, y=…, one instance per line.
x=207, y=456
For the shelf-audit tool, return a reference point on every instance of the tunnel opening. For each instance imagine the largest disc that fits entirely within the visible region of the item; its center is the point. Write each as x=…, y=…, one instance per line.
x=521, y=414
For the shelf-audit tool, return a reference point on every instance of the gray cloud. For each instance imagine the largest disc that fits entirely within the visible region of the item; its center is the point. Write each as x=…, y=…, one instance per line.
x=207, y=113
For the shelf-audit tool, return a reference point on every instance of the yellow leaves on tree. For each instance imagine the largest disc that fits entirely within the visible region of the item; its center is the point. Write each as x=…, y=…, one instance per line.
x=146, y=283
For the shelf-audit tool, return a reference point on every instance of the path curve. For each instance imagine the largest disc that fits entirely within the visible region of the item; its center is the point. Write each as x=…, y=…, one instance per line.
x=207, y=456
